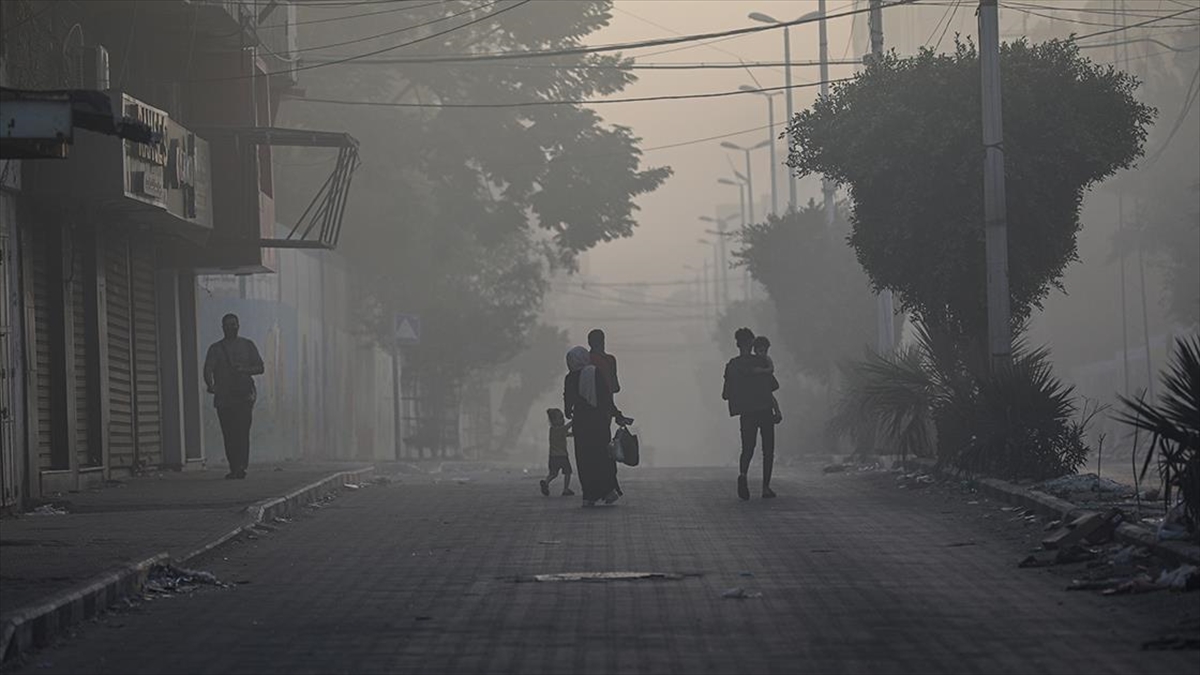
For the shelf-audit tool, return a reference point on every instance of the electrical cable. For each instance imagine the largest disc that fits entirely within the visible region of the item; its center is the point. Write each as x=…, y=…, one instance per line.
x=431, y=36
x=641, y=44
x=526, y=104
x=397, y=31
x=1134, y=25
x=947, y=28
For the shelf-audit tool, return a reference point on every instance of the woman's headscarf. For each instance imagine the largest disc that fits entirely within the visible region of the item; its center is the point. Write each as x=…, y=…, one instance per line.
x=578, y=359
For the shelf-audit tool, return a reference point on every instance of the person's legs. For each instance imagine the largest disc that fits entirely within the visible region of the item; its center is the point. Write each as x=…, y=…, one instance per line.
x=749, y=431
x=567, y=492
x=243, y=418
x=228, y=421
x=544, y=484
x=768, y=442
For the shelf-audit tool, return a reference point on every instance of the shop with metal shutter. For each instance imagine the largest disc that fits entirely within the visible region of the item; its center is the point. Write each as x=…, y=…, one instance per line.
x=43, y=348
x=147, y=402
x=134, y=405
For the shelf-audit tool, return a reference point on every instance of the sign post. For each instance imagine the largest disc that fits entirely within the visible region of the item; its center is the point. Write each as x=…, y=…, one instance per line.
x=406, y=331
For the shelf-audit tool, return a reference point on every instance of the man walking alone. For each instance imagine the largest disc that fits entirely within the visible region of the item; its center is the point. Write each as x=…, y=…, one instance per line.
x=229, y=368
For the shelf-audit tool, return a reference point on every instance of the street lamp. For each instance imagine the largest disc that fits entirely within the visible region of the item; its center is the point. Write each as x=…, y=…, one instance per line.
x=826, y=186
x=749, y=182
x=770, y=96
x=720, y=270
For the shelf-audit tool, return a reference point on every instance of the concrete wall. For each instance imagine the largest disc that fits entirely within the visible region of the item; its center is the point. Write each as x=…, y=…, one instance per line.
x=325, y=394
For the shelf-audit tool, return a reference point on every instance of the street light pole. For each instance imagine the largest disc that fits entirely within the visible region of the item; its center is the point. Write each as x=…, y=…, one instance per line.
x=787, y=81
x=995, y=217
x=885, y=306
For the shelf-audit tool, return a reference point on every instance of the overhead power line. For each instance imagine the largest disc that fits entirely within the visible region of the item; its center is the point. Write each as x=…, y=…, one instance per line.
x=431, y=36
x=720, y=65
x=397, y=31
x=1131, y=26
x=599, y=49
x=598, y=101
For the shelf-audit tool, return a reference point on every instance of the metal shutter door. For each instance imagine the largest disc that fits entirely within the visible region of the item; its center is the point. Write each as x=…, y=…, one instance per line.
x=147, y=406
x=42, y=350
x=120, y=371
x=79, y=329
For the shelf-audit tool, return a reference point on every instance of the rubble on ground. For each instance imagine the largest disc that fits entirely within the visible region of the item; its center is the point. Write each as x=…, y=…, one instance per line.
x=172, y=580
x=1088, y=484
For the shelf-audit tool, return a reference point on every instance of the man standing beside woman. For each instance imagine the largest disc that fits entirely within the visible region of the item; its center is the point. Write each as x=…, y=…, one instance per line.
x=749, y=386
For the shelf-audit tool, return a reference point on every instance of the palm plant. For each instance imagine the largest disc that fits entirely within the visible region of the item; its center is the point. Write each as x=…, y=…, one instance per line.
x=1174, y=427
x=892, y=395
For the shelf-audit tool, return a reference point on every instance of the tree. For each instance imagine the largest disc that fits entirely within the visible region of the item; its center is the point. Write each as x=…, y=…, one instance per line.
x=822, y=299
x=458, y=214
x=904, y=136
x=528, y=376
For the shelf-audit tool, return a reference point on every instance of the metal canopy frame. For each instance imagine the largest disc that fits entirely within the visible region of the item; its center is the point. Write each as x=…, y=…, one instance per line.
x=324, y=214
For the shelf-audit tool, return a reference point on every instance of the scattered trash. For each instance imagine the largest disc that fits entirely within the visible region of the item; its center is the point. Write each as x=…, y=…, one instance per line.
x=1174, y=525
x=1075, y=554
x=352, y=486
x=1065, y=486
x=1095, y=528
x=172, y=580
x=739, y=593
x=605, y=576
x=47, y=510
x=1182, y=578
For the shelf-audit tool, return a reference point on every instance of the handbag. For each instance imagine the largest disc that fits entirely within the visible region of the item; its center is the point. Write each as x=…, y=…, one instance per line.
x=624, y=447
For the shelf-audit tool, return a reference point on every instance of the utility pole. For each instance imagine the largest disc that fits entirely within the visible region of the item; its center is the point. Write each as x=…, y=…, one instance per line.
x=787, y=80
x=885, y=310
x=827, y=188
x=995, y=218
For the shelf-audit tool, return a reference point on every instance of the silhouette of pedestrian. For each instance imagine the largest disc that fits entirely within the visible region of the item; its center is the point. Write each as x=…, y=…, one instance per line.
x=749, y=393
x=229, y=368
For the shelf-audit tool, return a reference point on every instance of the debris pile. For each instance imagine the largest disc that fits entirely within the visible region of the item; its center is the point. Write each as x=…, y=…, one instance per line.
x=1088, y=485
x=48, y=510
x=171, y=580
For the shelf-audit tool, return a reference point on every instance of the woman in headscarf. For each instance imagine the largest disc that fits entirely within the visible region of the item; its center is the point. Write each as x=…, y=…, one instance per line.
x=589, y=402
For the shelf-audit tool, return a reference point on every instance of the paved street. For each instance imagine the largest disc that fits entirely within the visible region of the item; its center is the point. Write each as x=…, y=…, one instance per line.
x=421, y=576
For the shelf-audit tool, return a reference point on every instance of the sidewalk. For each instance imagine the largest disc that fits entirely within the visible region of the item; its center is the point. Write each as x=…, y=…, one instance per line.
x=132, y=520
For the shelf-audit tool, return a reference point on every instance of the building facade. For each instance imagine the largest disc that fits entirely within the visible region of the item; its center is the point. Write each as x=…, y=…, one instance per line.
x=102, y=249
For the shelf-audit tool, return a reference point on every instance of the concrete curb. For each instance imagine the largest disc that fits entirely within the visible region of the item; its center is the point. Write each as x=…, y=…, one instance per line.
x=35, y=626
x=1048, y=505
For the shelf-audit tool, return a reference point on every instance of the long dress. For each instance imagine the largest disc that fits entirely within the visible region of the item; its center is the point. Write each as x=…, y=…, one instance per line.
x=593, y=430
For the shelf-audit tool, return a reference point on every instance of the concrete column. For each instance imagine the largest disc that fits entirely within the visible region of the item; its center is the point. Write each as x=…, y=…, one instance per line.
x=170, y=368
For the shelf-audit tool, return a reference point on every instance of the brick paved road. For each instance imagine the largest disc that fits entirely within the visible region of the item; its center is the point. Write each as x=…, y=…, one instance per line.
x=424, y=577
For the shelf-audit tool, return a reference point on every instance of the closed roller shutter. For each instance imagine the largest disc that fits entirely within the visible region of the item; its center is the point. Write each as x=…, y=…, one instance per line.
x=147, y=406
x=121, y=450
x=42, y=351
x=79, y=323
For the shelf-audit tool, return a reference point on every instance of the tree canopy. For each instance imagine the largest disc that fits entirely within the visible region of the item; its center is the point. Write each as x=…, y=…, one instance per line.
x=904, y=137
x=458, y=214
x=823, y=302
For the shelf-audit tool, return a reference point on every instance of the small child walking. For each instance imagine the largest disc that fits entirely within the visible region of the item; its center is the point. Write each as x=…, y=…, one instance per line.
x=560, y=429
x=761, y=346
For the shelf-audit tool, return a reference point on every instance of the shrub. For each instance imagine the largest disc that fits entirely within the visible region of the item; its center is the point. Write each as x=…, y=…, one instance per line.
x=1174, y=426
x=1018, y=421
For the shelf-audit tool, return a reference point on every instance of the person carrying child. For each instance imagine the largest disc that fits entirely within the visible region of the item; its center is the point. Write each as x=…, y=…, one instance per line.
x=761, y=346
x=560, y=461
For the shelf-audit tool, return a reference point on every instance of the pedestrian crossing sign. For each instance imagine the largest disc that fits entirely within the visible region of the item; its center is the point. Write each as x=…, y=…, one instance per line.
x=407, y=329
